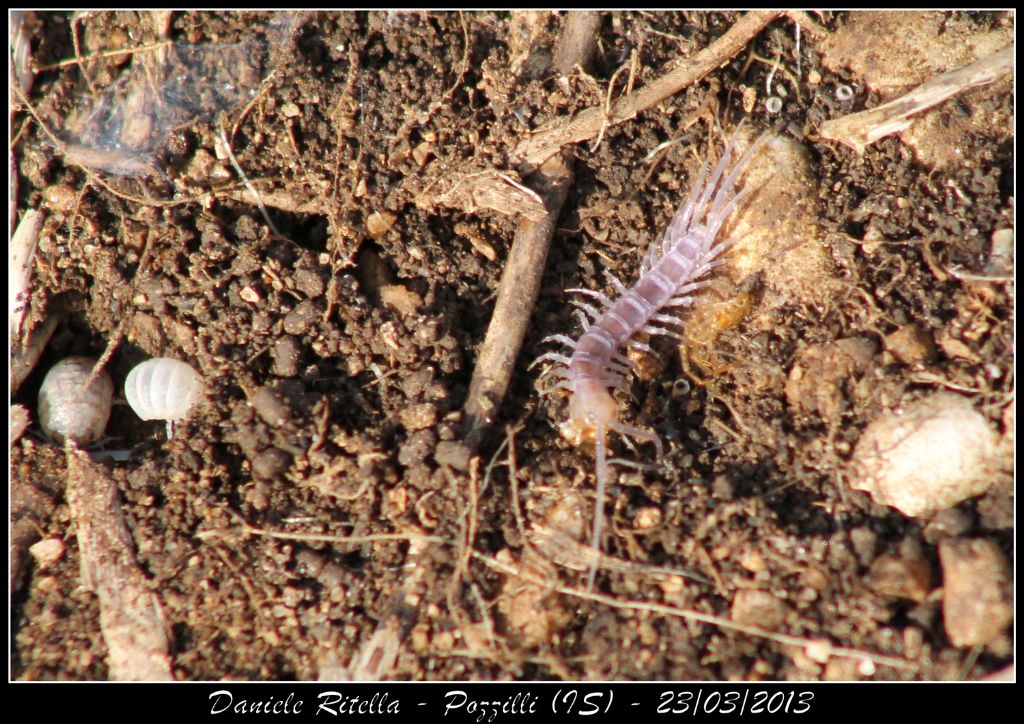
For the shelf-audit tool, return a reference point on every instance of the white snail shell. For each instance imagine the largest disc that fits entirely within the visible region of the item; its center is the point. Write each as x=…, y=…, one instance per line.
x=163, y=389
x=70, y=410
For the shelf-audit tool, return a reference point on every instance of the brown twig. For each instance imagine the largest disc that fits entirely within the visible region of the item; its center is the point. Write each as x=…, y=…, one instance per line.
x=535, y=150
x=813, y=30
x=131, y=618
x=118, y=333
x=81, y=60
x=859, y=130
x=520, y=282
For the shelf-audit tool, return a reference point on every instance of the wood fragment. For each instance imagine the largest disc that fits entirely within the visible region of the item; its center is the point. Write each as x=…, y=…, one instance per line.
x=485, y=190
x=25, y=355
x=859, y=130
x=22, y=251
x=520, y=282
x=284, y=200
x=814, y=31
x=131, y=618
x=534, y=151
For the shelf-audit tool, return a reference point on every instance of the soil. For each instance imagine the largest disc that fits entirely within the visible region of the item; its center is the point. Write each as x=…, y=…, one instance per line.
x=337, y=352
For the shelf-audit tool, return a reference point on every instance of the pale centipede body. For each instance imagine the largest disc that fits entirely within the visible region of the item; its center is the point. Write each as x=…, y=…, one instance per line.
x=673, y=268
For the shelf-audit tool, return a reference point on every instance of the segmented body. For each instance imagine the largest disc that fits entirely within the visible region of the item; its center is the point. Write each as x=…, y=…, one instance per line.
x=71, y=409
x=163, y=388
x=672, y=270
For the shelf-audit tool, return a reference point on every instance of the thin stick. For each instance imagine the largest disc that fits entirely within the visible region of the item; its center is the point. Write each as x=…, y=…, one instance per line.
x=520, y=282
x=601, y=455
x=691, y=615
x=118, y=334
x=859, y=130
x=608, y=106
x=328, y=538
x=245, y=180
x=131, y=618
x=266, y=85
x=22, y=251
x=510, y=440
x=534, y=151
x=803, y=20
x=78, y=55
x=101, y=55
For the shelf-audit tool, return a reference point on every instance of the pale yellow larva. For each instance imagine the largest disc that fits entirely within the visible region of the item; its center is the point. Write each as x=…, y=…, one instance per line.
x=70, y=410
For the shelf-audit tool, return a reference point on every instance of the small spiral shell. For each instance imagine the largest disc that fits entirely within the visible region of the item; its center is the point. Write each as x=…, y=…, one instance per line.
x=70, y=410
x=163, y=389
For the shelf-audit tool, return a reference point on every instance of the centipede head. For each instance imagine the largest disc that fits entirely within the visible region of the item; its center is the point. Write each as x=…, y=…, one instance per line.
x=589, y=409
x=579, y=433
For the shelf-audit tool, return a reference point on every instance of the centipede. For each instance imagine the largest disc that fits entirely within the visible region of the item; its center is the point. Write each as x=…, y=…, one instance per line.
x=674, y=268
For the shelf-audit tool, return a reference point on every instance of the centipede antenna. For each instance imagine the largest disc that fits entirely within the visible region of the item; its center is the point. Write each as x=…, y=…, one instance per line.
x=601, y=453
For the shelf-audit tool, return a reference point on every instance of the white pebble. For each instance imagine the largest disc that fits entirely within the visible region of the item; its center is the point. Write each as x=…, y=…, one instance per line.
x=47, y=552
x=939, y=452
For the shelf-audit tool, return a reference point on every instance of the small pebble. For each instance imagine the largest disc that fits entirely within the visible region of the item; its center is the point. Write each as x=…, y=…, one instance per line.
x=418, y=417
x=863, y=540
x=948, y=523
x=911, y=344
x=841, y=668
x=401, y=299
x=270, y=463
x=722, y=488
x=901, y=577
x=752, y=560
x=816, y=380
x=454, y=454
x=301, y=319
x=17, y=420
x=939, y=452
x=285, y=355
x=309, y=281
x=647, y=518
x=757, y=608
x=1001, y=255
x=271, y=406
x=422, y=153
x=379, y=222
x=977, y=601
x=60, y=197
x=47, y=552
x=416, y=449
x=250, y=295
